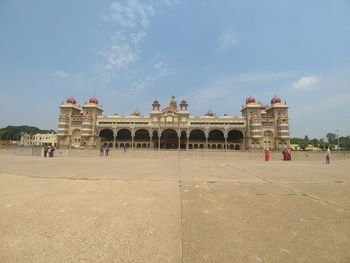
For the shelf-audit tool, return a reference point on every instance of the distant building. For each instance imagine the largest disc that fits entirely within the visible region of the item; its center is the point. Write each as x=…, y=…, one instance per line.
x=172, y=127
x=39, y=139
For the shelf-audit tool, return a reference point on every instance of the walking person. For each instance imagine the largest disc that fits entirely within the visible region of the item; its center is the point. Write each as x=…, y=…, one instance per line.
x=328, y=156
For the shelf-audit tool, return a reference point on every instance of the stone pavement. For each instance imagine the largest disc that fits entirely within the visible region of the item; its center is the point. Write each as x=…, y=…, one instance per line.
x=156, y=208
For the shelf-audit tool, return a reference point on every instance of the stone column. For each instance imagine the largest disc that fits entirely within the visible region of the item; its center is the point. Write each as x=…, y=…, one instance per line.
x=132, y=141
x=206, y=134
x=114, y=137
x=187, y=141
x=159, y=135
x=179, y=136
x=225, y=136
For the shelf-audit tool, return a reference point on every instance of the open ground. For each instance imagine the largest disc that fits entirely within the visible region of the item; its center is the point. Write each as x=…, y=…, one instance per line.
x=168, y=207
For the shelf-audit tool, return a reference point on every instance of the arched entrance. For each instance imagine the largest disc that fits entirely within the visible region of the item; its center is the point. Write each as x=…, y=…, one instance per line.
x=197, y=138
x=124, y=137
x=76, y=138
x=169, y=139
x=106, y=137
x=217, y=138
x=268, y=140
x=235, y=140
x=141, y=138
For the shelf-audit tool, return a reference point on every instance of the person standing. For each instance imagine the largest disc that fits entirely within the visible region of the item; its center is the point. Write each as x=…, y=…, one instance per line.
x=267, y=154
x=285, y=155
x=48, y=151
x=289, y=154
x=328, y=156
x=45, y=150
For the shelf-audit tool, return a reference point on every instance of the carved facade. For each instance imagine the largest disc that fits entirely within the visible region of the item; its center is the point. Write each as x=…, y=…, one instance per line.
x=172, y=127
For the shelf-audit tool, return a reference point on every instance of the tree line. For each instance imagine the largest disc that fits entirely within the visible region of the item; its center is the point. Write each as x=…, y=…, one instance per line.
x=331, y=141
x=13, y=133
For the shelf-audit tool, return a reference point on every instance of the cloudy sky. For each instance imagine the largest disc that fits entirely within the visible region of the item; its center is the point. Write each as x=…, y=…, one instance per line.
x=213, y=53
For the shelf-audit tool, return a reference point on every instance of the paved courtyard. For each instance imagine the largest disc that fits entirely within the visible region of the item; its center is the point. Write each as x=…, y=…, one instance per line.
x=166, y=208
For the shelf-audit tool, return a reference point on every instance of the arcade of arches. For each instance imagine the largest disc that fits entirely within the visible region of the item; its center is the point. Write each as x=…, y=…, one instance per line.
x=215, y=139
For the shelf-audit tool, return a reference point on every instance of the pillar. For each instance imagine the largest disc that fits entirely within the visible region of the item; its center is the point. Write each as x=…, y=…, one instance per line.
x=187, y=141
x=114, y=137
x=159, y=135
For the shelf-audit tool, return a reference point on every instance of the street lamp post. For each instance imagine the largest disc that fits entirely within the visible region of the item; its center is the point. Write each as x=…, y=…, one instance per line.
x=338, y=139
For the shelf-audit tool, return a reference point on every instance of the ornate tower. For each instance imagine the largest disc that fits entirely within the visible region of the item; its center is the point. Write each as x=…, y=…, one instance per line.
x=252, y=113
x=278, y=113
x=91, y=111
x=69, y=119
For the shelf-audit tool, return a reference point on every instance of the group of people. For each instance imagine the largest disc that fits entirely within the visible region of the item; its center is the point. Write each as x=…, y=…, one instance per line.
x=104, y=150
x=48, y=151
x=287, y=154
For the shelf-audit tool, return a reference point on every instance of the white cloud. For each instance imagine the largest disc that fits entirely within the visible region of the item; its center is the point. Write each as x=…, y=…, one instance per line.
x=226, y=41
x=61, y=74
x=132, y=18
x=306, y=82
x=132, y=13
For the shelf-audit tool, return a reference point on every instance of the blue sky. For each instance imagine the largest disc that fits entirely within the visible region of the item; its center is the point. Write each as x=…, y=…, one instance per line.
x=213, y=53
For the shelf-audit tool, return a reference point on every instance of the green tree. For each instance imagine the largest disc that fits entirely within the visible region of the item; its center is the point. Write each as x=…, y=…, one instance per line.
x=303, y=145
x=331, y=137
x=13, y=133
x=322, y=144
x=315, y=142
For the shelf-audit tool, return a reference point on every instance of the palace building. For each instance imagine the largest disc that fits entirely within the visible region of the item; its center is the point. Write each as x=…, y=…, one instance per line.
x=172, y=127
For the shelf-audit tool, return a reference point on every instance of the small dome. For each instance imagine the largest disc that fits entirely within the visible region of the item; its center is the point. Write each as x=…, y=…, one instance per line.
x=209, y=113
x=135, y=113
x=156, y=101
x=71, y=100
x=93, y=100
x=262, y=106
x=250, y=99
x=183, y=102
x=275, y=100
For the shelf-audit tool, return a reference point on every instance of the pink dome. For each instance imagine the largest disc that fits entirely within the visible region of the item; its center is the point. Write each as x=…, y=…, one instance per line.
x=93, y=100
x=275, y=100
x=183, y=101
x=71, y=100
x=156, y=101
x=250, y=99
